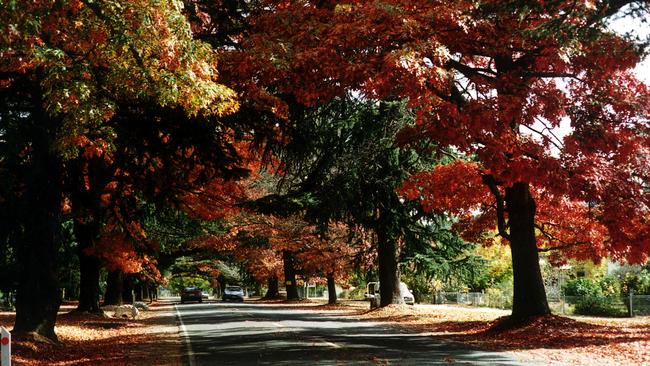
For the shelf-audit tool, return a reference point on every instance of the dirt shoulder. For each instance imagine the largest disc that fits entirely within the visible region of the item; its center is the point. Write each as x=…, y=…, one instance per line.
x=151, y=339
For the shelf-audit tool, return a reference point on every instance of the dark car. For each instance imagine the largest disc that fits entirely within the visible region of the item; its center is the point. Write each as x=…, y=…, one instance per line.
x=191, y=294
x=233, y=293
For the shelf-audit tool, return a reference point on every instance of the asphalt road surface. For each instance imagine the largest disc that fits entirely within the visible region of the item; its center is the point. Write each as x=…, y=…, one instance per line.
x=272, y=334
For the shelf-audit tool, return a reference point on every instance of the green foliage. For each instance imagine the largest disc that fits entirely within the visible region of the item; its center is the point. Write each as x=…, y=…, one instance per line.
x=634, y=279
x=180, y=282
x=69, y=276
x=597, y=305
x=500, y=296
x=583, y=287
x=610, y=286
x=442, y=255
x=592, y=297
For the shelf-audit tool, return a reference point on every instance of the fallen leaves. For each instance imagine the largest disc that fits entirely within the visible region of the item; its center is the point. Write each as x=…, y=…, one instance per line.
x=569, y=341
x=92, y=340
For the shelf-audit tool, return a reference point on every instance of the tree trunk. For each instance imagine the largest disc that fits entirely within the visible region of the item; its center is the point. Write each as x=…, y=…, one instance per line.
x=153, y=293
x=127, y=289
x=146, y=295
x=114, y=288
x=138, y=291
x=529, y=298
x=290, y=275
x=38, y=297
x=388, y=275
x=273, y=290
x=331, y=288
x=89, y=267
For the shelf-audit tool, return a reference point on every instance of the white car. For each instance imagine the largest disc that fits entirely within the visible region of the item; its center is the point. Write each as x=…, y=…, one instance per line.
x=372, y=293
x=233, y=293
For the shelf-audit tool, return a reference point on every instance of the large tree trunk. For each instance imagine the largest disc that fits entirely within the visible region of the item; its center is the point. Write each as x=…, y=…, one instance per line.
x=290, y=275
x=273, y=290
x=38, y=298
x=114, y=288
x=331, y=288
x=529, y=296
x=89, y=267
x=388, y=274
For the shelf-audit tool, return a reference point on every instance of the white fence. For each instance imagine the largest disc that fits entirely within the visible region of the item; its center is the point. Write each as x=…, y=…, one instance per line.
x=461, y=298
x=631, y=305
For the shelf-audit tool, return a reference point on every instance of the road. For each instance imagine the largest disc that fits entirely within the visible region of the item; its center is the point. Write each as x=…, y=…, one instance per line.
x=272, y=334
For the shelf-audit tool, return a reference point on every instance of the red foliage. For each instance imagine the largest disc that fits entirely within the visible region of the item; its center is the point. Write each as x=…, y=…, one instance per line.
x=492, y=80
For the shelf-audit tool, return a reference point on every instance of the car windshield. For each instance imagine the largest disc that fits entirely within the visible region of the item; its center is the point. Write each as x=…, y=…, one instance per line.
x=188, y=289
x=233, y=288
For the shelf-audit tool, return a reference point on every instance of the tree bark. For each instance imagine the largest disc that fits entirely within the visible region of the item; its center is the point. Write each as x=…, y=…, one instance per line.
x=290, y=275
x=138, y=291
x=388, y=274
x=153, y=293
x=273, y=290
x=114, y=288
x=38, y=297
x=89, y=267
x=529, y=298
x=331, y=289
x=146, y=295
x=127, y=289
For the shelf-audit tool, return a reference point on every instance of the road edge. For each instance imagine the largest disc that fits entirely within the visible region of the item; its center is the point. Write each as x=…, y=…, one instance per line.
x=183, y=332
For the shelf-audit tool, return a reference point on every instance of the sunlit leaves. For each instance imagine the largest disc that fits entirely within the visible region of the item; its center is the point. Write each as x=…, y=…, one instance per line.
x=91, y=56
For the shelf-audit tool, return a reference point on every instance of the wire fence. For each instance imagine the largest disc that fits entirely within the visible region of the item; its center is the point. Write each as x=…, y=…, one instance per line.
x=629, y=305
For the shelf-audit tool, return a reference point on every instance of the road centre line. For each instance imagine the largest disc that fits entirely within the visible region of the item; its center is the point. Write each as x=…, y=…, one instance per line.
x=186, y=336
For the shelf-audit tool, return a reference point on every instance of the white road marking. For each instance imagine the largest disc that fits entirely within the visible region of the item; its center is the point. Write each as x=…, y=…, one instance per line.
x=186, y=336
x=332, y=344
x=278, y=325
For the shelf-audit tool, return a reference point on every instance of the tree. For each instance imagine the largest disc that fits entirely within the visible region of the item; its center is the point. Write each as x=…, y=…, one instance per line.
x=492, y=80
x=347, y=149
x=566, y=192
x=66, y=70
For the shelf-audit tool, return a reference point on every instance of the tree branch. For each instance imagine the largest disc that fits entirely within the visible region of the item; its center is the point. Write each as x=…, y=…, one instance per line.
x=501, y=221
x=563, y=244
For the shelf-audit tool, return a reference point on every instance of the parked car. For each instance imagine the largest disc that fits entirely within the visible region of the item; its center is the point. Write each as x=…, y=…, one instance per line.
x=205, y=295
x=233, y=293
x=372, y=294
x=191, y=294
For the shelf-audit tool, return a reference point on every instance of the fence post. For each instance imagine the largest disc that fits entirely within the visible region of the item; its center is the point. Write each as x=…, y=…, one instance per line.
x=562, y=301
x=5, y=347
x=631, y=303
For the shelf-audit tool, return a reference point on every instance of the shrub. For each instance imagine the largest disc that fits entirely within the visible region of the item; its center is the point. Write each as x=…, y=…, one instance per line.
x=598, y=305
x=499, y=298
x=610, y=286
x=582, y=287
x=594, y=298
